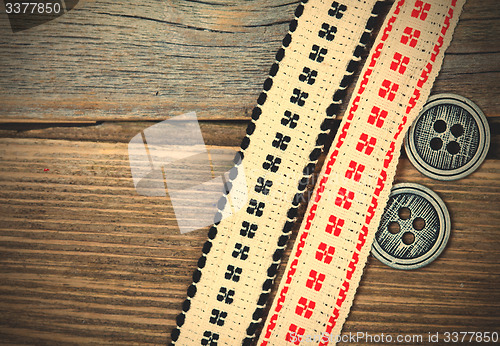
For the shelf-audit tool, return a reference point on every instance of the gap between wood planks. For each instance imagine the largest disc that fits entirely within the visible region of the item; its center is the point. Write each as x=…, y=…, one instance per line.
x=215, y=133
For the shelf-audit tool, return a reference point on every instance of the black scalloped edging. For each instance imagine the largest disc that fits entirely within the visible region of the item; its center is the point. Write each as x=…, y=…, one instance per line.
x=331, y=110
x=233, y=173
x=307, y=172
x=212, y=233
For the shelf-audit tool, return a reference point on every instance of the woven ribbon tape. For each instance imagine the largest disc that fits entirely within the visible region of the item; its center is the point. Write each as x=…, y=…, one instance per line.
x=324, y=270
x=289, y=127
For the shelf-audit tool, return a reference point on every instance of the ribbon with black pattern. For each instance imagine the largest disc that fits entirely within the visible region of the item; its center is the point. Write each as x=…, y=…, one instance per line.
x=289, y=126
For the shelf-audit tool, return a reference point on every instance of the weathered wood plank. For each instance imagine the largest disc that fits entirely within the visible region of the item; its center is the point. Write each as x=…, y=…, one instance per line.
x=85, y=259
x=109, y=60
x=219, y=133
x=215, y=133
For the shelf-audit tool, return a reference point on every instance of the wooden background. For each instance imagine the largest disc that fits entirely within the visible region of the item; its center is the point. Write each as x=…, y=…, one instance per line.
x=85, y=259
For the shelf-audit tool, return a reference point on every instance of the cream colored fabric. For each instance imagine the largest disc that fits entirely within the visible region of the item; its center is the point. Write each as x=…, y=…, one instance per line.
x=324, y=270
x=236, y=269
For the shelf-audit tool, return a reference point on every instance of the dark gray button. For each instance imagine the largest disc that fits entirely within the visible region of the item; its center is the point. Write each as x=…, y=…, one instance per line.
x=414, y=228
x=449, y=139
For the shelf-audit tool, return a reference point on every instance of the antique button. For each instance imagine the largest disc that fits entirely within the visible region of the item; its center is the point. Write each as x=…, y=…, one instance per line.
x=414, y=228
x=449, y=139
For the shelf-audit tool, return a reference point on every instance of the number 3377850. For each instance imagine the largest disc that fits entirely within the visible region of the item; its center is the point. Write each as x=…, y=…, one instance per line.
x=33, y=7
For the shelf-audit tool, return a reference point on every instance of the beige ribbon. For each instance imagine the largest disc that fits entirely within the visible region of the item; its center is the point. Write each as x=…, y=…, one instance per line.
x=290, y=125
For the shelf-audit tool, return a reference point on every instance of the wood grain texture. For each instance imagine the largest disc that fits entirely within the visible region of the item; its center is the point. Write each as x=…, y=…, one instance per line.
x=84, y=259
x=113, y=60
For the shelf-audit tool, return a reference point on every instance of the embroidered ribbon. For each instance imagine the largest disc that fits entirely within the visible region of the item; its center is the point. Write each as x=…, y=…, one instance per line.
x=323, y=273
x=290, y=125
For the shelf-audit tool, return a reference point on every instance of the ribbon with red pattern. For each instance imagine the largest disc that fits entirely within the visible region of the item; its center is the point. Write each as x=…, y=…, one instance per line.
x=325, y=268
